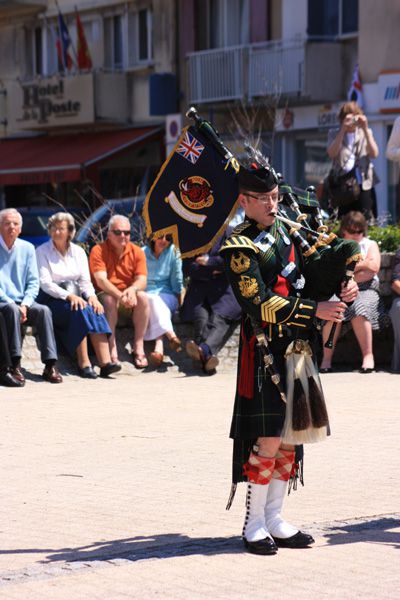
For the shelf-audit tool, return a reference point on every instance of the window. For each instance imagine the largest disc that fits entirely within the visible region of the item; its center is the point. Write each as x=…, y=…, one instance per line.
x=113, y=43
x=221, y=23
x=332, y=18
x=140, y=37
x=34, y=51
x=41, y=50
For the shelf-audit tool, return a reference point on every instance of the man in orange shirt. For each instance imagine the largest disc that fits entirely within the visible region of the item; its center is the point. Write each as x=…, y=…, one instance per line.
x=118, y=268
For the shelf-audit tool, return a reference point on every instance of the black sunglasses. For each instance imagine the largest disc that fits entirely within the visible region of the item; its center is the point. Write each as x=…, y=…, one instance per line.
x=121, y=231
x=352, y=231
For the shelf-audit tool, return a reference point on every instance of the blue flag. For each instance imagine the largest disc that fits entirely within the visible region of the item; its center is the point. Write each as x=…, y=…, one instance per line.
x=194, y=195
x=65, y=42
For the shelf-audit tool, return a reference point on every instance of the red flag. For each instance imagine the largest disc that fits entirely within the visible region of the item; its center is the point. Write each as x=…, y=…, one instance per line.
x=84, y=59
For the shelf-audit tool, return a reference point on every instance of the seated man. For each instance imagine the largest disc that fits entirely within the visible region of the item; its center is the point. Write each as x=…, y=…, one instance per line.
x=19, y=286
x=119, y=271
x=211, y=305
x=6, y=377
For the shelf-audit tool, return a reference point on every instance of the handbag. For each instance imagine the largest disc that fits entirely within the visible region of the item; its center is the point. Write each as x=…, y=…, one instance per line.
x=342, y=189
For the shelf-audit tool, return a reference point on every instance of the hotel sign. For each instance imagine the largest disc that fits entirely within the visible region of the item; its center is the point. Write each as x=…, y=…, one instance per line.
x=389, y=91
x=51, y=102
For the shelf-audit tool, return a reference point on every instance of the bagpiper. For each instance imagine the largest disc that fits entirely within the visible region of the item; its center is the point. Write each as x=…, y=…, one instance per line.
x=279, y=403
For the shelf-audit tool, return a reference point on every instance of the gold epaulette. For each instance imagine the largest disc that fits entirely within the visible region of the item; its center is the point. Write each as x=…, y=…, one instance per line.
x=239, y=241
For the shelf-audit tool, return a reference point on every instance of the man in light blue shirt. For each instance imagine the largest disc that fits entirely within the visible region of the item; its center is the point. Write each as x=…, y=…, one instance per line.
x=19, y=286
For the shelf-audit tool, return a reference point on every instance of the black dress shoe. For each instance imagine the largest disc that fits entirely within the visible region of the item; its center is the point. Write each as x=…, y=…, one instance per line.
x=87, y=373
x=365, y=370
x=298, y=540
x=9, y=380
x=52, y=374
x=17, y=374
x=109, y=369
x=266, y=546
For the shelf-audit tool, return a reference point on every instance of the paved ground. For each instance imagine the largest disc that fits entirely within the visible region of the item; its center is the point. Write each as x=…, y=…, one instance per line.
x=117, y=490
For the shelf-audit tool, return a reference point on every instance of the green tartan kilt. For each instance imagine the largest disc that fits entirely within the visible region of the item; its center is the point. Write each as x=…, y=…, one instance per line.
x=264, y=414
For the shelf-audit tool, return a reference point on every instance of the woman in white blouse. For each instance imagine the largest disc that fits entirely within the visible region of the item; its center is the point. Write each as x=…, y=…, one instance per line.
x=67, y=290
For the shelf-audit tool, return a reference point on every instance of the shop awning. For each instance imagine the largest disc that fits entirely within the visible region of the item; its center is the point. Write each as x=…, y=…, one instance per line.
x=64, y=157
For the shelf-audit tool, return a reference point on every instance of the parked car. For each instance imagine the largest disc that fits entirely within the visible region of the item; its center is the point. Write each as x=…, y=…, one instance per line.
x=35, y=218
x=94, y=229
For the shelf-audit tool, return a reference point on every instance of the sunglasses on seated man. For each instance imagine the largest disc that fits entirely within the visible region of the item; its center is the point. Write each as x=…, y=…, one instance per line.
x=121, y=232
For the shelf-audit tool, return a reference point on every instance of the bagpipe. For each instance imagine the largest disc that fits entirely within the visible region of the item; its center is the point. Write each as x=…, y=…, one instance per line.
x=329, y=261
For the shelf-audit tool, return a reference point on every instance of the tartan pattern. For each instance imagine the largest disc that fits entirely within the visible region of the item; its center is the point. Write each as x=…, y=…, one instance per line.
x=259, y=469
x=284, y=460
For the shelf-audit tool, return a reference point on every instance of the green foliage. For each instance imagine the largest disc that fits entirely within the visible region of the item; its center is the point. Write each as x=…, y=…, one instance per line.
x=387, y=238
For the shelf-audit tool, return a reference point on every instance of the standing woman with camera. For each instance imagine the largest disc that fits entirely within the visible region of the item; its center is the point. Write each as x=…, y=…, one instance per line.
x=65, y=287
x=351, y=147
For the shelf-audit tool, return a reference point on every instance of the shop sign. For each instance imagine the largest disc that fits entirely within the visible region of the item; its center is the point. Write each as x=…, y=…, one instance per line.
x=50, y=102
x=389, y=91
x=322, y=116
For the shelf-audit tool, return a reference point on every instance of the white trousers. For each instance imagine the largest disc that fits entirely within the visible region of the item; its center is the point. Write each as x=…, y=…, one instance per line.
x=161, y=308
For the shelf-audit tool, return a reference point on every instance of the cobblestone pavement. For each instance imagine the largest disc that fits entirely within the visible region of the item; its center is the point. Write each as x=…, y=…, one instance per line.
x=117, y=490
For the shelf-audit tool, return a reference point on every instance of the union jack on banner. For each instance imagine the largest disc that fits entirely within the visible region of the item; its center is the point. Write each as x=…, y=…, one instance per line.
x=190, y=148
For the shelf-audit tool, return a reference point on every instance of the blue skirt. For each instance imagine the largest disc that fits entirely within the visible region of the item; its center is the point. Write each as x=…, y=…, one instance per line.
x=72, y=326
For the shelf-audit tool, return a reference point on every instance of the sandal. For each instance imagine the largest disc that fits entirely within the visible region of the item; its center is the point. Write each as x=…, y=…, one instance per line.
x=139, y=360
x=175, y=344
x=156, y=359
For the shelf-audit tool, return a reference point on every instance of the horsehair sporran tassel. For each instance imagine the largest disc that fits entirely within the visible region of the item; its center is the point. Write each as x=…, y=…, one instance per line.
x=301, y=417
x=319, y=413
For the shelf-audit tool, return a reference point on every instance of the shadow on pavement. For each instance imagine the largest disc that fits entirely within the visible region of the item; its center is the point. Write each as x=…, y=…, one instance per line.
x=375, y=531
x=137, y=548
x=145, y=547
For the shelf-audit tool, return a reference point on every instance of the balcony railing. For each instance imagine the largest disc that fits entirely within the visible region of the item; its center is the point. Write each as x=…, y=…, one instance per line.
x=216, y=74
x=268, y=68
x=276, y=68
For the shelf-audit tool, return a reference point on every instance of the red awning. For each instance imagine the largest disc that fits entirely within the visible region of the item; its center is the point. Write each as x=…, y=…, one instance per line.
x=63, y=157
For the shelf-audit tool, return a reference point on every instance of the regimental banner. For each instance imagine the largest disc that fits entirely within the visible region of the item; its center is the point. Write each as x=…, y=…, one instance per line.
x=194, y=195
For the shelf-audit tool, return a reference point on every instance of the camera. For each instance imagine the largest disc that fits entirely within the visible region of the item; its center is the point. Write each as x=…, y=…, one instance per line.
x=354, y=120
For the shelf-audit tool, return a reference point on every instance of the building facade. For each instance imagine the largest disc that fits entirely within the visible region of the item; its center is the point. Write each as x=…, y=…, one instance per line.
x=68, y=121
x=278, y=71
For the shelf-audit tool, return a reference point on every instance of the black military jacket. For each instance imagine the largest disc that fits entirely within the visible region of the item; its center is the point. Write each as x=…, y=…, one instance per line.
x=264, y=270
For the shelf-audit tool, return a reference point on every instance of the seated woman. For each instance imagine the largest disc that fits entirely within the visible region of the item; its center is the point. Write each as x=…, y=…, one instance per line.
x=165, y=293
x=364, y=312
x=68, y=292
